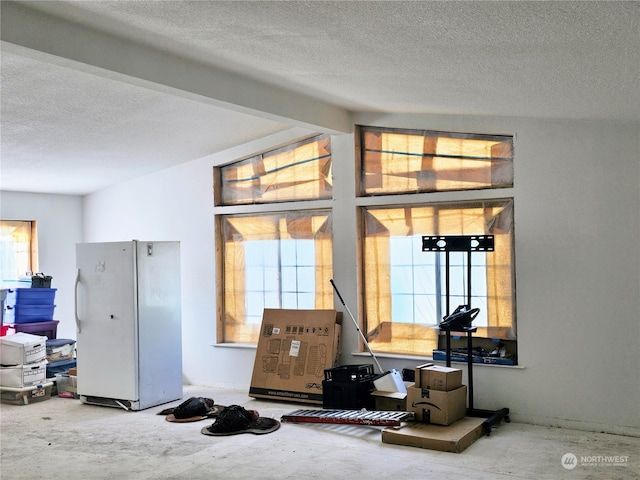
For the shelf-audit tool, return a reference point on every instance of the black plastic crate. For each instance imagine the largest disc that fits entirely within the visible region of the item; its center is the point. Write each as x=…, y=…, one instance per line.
x=348, y=373
x=348, y=395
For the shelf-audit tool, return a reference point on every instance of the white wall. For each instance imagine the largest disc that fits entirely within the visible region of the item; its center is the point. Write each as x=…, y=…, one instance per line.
x=177, y=204
x=578, y=264
x=577, y=226
x=59, y=220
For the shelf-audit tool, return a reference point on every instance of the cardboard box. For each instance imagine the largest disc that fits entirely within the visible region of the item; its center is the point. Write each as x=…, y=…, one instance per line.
x=436, y=377
x=436, y=406
x=390, y=401
x=418, y=371
x=19, y=376
x=22, y=348
x=454, y=438
x=294, y=349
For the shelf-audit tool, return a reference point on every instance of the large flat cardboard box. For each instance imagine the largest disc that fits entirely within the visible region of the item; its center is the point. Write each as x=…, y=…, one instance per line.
x=436, y=377
x=436, y=406
x=294, y=348
x=453, y=438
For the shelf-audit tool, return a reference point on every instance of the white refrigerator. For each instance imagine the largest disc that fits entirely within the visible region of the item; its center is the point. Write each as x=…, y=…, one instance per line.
x=128, y=322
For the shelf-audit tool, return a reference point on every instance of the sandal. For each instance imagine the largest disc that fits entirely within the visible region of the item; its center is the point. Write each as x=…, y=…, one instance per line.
x=235, y=419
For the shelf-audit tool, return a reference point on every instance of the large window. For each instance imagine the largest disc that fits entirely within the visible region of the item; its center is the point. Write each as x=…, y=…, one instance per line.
x=404, y=286
x=18, y=249
x=278, y=256
x=277, y=260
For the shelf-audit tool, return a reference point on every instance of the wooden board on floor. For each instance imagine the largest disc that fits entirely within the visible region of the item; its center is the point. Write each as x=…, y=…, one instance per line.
x=451, y=438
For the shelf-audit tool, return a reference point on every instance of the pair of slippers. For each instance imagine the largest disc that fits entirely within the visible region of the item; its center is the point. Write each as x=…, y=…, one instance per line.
x=193, y=409
x=231, y=420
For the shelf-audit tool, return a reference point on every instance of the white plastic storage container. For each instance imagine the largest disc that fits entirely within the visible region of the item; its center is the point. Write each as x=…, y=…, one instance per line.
x=26, y=395
x=18, y=376
x=67, y=385
x=22, y=348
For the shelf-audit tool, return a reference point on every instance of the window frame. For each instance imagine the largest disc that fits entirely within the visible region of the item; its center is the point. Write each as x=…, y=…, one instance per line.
x=221, y=211
x=282, y=148
x=33, y=244
x=362, y=130
x=390, y=200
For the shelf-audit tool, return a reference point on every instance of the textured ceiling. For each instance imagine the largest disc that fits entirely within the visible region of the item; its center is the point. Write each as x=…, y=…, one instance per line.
x=96, y=92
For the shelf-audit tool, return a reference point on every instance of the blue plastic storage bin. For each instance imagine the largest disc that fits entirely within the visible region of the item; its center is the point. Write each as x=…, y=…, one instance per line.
x=60, y=367
x=29, y=313
x=30, y=296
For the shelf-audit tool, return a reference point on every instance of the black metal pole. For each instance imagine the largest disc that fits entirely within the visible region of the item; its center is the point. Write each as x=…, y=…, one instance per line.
x=470, y=367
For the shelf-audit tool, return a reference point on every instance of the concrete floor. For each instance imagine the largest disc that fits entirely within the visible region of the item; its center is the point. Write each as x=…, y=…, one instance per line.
x=64, y=439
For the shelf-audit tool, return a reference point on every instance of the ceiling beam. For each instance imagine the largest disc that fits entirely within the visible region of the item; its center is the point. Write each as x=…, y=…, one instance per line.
x=140, y=64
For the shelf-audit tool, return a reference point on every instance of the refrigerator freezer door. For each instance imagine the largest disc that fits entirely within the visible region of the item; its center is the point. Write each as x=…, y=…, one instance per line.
x=159, y=315
x=107, y=311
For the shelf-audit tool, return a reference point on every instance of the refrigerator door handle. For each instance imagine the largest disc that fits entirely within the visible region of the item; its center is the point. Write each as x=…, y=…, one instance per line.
x=75, y=303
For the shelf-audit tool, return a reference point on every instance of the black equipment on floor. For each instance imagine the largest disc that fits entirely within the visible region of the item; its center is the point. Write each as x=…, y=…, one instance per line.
x=460, y=319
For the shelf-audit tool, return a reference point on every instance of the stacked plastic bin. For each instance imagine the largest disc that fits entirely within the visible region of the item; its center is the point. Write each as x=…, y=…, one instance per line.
x=23, y=369
x=30, y=310
x=61, y=361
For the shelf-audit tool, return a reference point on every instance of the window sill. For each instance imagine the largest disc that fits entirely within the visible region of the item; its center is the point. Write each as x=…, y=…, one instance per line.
x=420, y=360
x=246, y=346
x=417, y=360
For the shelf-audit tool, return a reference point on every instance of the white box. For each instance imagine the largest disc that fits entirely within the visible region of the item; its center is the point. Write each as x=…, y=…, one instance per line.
x=19, y=376
x=390, y=382
x=22, y=348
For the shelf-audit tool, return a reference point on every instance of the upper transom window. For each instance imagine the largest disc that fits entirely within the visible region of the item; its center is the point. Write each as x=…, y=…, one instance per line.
x=300, y=171
x=415, y=161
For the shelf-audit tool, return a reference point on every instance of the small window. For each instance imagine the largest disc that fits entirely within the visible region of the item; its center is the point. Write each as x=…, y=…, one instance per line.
x=18, y=248
x=411, y=161
x=301, y=171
